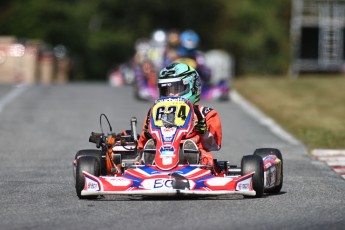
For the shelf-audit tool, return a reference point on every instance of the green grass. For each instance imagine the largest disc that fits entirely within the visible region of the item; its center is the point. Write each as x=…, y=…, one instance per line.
x=310, y=107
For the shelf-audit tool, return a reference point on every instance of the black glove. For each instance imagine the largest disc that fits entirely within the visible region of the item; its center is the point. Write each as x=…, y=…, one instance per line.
x=201, y=127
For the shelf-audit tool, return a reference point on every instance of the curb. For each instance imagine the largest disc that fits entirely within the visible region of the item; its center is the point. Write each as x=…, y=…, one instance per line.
x=333, y=158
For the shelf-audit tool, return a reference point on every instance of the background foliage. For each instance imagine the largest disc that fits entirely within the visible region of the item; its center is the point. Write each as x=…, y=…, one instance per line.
x=101, y=34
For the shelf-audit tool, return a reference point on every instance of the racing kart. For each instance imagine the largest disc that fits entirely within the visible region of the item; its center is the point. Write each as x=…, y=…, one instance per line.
x=145, y=82
x=212, y=89
x=169, y=164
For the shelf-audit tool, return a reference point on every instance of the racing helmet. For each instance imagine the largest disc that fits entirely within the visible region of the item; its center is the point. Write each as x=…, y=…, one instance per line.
x=159, y=36
x=180, y=79
x=173, y=38
x=189, y=39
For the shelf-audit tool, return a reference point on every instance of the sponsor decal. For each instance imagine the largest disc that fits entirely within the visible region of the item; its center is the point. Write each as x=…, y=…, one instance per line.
x=170, y=99
x=162, y=183
x=168, y=129
x=206, y=110
x=158, y=183
x=168, y=133
x=167, y=151
x=167, y=139
x=270, y=158
x=268, y=165
x=91, y=185
x=270, y=177
x=244, y=185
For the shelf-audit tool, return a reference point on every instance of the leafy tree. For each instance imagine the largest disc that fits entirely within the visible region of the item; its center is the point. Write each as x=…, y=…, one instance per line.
x=257, y=33
x=101, y=34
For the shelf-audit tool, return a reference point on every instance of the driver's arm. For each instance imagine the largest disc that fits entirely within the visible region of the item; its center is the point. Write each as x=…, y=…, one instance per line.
x=145, y=135
x=212, y=139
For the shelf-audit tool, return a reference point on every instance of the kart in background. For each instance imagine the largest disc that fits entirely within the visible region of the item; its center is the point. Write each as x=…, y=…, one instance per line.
x=213, y=86
x=169, y=164
x=145, y=81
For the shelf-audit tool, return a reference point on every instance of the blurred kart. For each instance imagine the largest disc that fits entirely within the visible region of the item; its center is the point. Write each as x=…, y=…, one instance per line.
x=123, y=75
x=214, y=67
x=221, y=65
x=169, y=164
x=145, y=81
x=212, y=89
x=220, y=91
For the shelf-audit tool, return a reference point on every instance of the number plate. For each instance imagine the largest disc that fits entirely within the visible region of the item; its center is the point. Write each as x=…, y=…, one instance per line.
x=175, y=111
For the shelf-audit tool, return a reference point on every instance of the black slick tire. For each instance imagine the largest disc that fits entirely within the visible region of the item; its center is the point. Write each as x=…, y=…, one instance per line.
x=88, y=164
x=263, y=152
x=94, y=153
x=252, y=163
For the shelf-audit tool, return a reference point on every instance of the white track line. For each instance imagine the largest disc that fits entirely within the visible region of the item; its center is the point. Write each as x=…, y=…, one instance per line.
x=262, y=118
x=16, y=91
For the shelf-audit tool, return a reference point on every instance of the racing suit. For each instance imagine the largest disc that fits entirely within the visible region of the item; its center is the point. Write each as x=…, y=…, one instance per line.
x=209, y=141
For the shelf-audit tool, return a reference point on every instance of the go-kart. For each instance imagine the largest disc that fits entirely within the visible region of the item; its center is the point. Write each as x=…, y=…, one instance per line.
x=212, y=89
x=145, y=81
x=169, y=164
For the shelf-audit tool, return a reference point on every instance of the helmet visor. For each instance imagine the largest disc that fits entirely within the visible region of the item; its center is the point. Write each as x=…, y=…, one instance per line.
x=173, y=89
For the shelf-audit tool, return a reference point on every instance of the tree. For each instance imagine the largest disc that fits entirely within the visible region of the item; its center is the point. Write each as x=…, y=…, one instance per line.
x=101, y=34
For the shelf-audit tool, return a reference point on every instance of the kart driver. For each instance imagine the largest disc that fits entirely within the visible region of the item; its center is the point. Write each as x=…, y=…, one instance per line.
x=179, y=79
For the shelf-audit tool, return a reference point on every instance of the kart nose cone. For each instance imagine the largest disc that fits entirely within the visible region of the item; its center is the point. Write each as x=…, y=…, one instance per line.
x=179, y=182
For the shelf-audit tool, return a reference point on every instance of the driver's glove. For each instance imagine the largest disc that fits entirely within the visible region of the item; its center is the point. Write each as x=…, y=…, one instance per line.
x=201, y=127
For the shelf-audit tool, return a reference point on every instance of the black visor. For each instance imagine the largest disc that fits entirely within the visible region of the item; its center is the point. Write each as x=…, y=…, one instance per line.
x=173, y=89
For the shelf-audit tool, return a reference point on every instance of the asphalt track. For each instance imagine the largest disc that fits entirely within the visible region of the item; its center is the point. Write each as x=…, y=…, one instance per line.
x=42, y=127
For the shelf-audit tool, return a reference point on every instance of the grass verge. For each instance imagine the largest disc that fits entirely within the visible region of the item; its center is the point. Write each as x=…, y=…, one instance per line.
x=312, y=108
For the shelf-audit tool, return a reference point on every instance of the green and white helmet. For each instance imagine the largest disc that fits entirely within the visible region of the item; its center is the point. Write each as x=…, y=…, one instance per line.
x=179, y=79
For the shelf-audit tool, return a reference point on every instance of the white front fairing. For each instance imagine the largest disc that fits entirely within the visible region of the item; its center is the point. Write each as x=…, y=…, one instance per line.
x=184, y=180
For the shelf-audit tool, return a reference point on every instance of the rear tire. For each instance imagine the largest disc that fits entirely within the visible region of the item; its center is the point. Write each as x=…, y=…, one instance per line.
x=263, y=152
x=90, y=165
x=252, y=163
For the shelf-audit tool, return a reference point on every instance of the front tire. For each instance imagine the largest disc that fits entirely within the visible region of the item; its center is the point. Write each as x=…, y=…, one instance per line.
x=263, y=152
x=252, y=163
x=90, y=165
x=94, y=153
